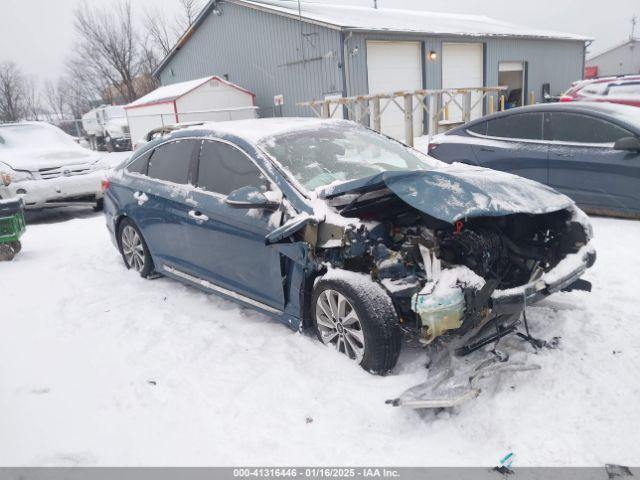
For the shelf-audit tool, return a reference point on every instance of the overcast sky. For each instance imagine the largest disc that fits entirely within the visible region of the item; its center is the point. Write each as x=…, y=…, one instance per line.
x=38, y=34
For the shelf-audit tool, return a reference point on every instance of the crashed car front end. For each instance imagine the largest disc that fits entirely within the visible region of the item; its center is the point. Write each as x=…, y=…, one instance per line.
x=447, y=276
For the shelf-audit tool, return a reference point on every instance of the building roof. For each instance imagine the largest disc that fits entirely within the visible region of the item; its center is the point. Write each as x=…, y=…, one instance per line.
x=351, y=17
x=615, y=47
x=173, y=92
x=392, y=20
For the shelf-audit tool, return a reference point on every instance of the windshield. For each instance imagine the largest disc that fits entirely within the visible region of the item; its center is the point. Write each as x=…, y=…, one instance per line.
x=340, y=151
x=32, y=136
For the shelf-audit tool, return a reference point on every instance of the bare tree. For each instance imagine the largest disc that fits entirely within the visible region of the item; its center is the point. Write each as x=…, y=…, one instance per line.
x=108, y=53
x=190, y=10
x=12, y=97
x=164, y=33
x=32, y=100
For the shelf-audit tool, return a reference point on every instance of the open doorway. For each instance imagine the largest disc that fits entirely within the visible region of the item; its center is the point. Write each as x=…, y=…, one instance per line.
x=512, y=76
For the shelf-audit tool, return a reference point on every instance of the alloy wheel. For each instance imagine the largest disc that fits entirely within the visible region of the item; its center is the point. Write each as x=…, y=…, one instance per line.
x=339, y=324
x=132, y=248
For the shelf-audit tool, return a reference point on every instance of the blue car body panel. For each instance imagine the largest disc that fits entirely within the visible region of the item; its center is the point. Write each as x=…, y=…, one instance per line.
x=461, y=192
x=597, y=177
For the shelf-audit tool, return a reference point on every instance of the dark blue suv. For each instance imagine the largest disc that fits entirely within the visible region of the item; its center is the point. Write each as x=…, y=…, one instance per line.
x=328, y=225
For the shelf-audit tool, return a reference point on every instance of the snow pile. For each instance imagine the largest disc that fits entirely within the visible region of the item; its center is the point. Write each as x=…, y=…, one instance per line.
x=101, y=367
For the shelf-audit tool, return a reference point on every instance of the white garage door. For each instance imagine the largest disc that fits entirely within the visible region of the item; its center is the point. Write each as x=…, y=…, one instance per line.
x=394, y=66
x=462, y=67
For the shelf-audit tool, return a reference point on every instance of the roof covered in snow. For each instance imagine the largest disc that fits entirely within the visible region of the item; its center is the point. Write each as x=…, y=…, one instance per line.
x=353, y=17
x=350, y=17
x=172, y=92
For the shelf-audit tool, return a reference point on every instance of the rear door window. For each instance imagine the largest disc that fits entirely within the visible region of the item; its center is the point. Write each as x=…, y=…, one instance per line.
x=479, y=128
x=223, y=169
x=625, y=90
x=524, y=126
x=578, y=128
x=140, y=164
x=170, y=162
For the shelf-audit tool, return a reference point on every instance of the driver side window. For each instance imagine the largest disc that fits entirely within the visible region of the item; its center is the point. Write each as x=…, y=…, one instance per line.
x=223, y=169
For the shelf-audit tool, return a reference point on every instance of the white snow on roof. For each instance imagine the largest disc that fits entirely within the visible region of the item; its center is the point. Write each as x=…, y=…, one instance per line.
x=397, y=20
x=168, y=93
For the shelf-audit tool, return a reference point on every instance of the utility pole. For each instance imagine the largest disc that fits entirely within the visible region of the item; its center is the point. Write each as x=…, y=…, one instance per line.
x=634, y=20
x=375, y=4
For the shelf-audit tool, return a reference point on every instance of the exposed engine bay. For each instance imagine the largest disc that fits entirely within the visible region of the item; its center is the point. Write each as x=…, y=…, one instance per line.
x=441, y=276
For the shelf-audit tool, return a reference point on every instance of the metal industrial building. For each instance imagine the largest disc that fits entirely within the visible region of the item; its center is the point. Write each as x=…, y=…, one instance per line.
x=619, y=60
x=296, y=52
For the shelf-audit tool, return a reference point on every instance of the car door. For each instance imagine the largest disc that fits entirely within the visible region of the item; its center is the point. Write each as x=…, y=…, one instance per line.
x=227, y=245
x=584, y=165
x=159, y=200
x=514, y=144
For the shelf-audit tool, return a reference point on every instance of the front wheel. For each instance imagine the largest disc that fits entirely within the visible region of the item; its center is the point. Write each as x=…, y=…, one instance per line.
x=133, y=248
x=358, y=319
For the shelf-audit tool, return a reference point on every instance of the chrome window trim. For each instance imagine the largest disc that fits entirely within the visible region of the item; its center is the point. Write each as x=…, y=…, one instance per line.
x=550, y=143
x=216, y=288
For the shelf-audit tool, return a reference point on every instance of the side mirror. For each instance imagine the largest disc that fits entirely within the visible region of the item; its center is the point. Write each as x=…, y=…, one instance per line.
x=250, y=197
x=629, y=144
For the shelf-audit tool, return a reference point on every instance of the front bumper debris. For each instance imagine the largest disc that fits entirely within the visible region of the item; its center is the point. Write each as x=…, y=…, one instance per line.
x=453, y=380
x=567, y=272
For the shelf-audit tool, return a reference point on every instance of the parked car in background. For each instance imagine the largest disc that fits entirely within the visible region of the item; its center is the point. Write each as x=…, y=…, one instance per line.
x=107, y=128
x=624, y=90
x=328, y=225
x=588, y=151
x=47, y=168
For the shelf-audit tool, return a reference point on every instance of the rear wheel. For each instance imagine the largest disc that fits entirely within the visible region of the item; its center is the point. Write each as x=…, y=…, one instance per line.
x=359, y=320
x=134, y=249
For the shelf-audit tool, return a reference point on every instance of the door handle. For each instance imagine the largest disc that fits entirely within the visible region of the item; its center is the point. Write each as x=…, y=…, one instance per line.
x=486, y=149
x=198, y=216
x=141, y=197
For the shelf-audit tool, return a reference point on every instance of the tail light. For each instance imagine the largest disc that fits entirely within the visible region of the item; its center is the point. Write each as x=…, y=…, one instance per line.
x=566, y=98
x=105, y=185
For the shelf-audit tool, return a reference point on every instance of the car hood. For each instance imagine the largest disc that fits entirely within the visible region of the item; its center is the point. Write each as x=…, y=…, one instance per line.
x=27, y=159
x=453, y=192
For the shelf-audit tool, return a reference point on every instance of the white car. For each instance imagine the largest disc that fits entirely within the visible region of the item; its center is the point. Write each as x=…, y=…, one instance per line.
x=47, y=168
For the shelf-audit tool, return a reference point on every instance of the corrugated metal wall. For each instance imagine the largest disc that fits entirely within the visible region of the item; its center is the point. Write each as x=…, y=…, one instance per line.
x=259, y=52
x=622, y=60
x=269, y=61
x=549, y=61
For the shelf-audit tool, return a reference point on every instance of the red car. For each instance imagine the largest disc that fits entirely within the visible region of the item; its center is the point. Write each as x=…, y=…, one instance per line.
x=624, y=90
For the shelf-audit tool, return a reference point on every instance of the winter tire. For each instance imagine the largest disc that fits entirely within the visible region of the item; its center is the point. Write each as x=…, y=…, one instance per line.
x=358, y=319
x=133, y=249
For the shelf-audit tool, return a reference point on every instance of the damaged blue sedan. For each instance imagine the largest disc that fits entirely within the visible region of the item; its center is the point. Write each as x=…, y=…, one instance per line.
x=329, y=226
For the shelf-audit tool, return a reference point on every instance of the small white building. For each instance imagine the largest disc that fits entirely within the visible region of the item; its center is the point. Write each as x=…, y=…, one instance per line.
x=204, y=99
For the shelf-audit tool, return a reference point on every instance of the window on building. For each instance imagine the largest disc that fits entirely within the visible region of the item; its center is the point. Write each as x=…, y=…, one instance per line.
x=577, y=128
x=170, y=162
x=223, y=169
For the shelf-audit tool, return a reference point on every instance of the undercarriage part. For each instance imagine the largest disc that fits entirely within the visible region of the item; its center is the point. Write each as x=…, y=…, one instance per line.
x=473, y=346
x=451, y=382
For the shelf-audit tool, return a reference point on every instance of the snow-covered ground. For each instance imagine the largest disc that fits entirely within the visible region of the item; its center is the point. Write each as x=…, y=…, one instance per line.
x=101, y=367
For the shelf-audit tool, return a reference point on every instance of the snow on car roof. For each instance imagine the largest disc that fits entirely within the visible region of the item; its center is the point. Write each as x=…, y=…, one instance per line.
x=402, y=20
x=256, y=129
